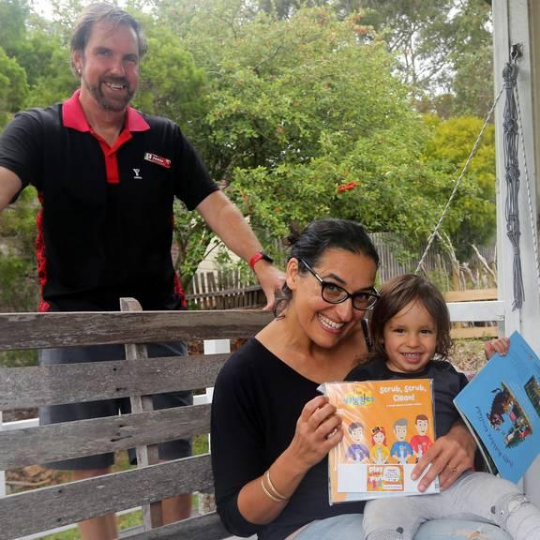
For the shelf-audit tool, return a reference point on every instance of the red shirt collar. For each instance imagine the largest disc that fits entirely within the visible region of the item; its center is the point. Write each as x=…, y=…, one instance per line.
x=73, y=116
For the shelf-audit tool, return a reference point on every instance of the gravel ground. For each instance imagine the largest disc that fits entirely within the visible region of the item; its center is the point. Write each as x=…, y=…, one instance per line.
x=468, y=355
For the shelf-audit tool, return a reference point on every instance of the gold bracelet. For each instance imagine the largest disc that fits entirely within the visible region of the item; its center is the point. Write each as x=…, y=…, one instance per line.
x=267, y=493
x=273, y=489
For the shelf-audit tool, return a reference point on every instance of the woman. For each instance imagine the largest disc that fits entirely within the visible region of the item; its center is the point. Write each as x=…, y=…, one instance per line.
x=271, y=429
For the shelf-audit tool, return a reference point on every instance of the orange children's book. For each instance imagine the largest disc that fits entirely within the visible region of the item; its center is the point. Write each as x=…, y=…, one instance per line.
x=388, y=426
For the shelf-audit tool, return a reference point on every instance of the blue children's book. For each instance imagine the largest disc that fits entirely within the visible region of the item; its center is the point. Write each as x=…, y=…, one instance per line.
x=501, y=406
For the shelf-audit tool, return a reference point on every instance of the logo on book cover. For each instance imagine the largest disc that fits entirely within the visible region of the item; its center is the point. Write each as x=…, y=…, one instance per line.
x=358, y=398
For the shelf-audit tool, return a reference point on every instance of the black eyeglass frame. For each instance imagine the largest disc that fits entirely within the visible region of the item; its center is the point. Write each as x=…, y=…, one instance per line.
x=371, y=293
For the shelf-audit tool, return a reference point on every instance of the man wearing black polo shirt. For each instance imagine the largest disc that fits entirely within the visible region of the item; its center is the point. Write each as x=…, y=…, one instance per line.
x=107, y=177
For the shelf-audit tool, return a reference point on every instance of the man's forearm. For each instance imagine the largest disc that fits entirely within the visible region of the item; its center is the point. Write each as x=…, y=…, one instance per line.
x=10, y=185
x=224, y=218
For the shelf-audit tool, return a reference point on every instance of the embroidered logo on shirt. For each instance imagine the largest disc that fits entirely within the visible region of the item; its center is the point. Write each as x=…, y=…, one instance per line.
x=137, y=176
x=158, y=160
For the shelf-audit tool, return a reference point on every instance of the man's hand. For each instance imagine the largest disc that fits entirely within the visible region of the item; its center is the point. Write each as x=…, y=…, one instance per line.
x=271, y=279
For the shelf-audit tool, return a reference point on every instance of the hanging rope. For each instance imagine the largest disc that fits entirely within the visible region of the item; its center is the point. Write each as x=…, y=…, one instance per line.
x=435, y=232
x=532, y=220
x=511, y=163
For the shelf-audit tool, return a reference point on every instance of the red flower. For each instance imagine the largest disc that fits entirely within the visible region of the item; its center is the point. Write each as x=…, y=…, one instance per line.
x=347, y=187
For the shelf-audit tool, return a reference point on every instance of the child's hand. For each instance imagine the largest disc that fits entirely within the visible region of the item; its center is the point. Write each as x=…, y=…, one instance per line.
x=500, y=345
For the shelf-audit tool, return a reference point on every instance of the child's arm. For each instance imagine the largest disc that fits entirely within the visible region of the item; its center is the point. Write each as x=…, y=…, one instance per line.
x=499, y=345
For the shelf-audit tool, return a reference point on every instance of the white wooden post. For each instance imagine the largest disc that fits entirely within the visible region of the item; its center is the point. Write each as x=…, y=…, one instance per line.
x=2, y=473
x=215, y=346
x=517, y=21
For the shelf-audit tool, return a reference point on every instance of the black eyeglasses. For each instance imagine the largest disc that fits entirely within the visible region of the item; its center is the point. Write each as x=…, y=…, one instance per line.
x=334, y=294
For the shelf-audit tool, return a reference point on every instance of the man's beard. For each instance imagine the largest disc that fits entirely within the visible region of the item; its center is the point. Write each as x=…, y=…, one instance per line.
x=106, y=103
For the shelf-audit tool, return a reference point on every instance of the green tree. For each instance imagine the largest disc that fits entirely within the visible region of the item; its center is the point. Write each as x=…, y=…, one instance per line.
x=19, y=291
x=472, y=217
x=306, y=119
x=13, y=16
x=13, y=87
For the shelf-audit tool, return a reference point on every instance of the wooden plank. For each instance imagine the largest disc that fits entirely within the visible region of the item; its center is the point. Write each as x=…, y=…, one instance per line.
x=57, y=442
x=475, y=332
x=205, y=527
x=471, y=295
x=476, y=311
x=212, y=289
x=45, y=330
x=71, y=383
x=147, y=454
x=51, y=507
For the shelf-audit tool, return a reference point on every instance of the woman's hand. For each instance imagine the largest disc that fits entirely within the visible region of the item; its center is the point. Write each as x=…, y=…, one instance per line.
x=450, y=456
x=317, y=431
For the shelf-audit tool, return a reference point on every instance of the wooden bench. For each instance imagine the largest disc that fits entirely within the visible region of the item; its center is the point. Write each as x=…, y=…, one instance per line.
x=136, y=377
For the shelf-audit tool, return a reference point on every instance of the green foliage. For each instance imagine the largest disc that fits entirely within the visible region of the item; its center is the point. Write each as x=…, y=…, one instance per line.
x=17, y=261
x=300, y=107
x=13, y=16
x=13, y=87
x=472, y=217
x=298, y=113
x=171, y=84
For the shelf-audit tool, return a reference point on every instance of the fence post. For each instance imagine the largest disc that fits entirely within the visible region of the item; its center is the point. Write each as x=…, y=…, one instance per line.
x=2, y=473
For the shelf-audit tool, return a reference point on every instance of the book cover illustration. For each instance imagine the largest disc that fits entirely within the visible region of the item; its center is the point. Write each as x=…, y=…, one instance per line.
x=501, y=406
x=388, y=426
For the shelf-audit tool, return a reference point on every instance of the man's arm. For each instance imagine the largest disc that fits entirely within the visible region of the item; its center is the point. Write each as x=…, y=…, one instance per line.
x=224, y=218
x=10, y=185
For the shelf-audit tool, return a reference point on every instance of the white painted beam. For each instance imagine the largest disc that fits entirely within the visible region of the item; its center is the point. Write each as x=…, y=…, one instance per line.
x=492, y=310
x=516, y=21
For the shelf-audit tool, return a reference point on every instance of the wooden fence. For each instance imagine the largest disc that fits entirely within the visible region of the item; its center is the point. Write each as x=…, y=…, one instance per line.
x=224, y=290
x=231, y=289
x=136, y=377
x=437, y=263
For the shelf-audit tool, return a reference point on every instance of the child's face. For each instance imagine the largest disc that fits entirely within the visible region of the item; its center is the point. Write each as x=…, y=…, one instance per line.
x=410, y=339
x=379, y=437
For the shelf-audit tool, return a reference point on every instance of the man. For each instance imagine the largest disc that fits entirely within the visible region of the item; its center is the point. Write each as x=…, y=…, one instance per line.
x=421, y=442
x=401, y=449
x=107, y=176
x=357, y=451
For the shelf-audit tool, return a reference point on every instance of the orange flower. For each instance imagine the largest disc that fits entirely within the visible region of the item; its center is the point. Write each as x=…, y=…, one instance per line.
x=347, y=187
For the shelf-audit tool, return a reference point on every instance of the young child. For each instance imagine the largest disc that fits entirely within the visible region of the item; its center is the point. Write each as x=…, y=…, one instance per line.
x=410, y=325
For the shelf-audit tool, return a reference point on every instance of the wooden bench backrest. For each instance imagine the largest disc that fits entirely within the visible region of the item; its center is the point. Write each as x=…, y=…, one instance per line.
x=136, y=377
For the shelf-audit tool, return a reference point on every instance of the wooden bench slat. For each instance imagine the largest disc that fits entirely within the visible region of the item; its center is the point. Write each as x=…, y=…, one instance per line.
x=47, y=508
x=474, y=332
x=205, y=527
x=471, y=295
x=53, y=385
x=39, y=445
x=45, y=330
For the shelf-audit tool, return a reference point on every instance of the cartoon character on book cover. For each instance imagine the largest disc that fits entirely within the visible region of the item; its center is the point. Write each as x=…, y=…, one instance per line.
x=401, y=450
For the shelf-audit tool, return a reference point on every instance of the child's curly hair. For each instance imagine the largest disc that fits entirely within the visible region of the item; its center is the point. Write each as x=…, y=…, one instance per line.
x=398, y=293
